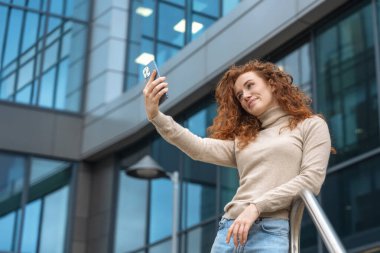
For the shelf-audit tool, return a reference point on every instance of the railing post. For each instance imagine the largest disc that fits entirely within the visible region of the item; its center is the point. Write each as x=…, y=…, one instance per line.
x=321, y=222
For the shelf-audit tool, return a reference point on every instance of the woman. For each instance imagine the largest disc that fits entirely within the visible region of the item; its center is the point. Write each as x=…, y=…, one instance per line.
x=266, y=130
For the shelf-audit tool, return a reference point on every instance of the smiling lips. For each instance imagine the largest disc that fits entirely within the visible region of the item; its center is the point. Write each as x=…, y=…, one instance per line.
x=252, y=101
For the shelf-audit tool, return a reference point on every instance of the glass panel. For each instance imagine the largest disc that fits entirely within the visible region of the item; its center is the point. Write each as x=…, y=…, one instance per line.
x=35, y=4
x=54, y=221
x=178, y=2
x=54, y=23
x=31, y=224
x=229, y=5
x=135, y=52
x=130, y=191
x=161, y=209
x=56, y=7
x=61, y=95
x=47, y=88
x=24, y=95
x=13, y=38
x=142, y=20
x=229, y=182
x=80, y=9
x=200, y=25
x=7, y=88
x=43, y=169
x=347, y=93
x=51, y=56
x=11, y=185
x=171, y=25
x=199, y=239
x=30, y=31
x=350, y=199
x=208, y=7
x=162, y=247
x=3, y=18
x=164, y=53
x=298, y=65
x=25, y=74
x=7, y=230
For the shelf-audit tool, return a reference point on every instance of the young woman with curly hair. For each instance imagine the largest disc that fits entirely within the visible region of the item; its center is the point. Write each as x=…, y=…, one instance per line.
x=264, y=128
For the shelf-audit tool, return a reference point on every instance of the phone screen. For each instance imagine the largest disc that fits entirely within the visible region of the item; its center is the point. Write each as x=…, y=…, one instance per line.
x=148, y=71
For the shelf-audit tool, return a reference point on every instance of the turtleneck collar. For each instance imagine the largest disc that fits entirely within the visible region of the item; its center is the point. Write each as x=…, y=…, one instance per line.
x=271, y=117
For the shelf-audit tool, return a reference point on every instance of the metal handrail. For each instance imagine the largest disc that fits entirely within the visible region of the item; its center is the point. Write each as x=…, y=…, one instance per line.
x=329, y=237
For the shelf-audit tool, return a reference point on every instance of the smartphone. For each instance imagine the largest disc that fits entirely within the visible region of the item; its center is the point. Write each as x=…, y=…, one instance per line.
x=147, y=71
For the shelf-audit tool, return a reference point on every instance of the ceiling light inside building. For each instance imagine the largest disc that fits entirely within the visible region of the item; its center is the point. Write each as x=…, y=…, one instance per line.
x=144, y=58
x=145, y=12
x=181, y=26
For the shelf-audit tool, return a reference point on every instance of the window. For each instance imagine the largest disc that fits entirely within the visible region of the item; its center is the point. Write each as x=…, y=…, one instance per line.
x=159, y=29
x=31, y=53
x=46, y=185
x=346, y=78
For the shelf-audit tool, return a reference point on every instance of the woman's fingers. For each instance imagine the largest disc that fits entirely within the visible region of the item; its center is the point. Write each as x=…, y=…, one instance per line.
x=239, y=232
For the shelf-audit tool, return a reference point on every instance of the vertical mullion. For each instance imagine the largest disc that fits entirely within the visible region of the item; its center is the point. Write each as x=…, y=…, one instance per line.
x=40, y=220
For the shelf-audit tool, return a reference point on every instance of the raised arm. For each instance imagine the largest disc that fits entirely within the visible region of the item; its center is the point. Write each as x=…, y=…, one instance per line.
x=220, y=152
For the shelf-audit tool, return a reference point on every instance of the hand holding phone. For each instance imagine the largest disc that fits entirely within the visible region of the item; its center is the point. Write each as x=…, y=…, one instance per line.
x=148, y=71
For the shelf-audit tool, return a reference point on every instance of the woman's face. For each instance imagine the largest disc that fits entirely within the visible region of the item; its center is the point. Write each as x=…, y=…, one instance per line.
x=254, y=94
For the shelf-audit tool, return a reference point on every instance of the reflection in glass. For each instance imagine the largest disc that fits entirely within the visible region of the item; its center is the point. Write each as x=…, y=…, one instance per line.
x=46, y=95
x=346, y=76
x=13, y=41
x=208, y=7
x=161, y=209
x=30, y=229
x=130, y=218
x=54, y=221
x=298, y=65
x=30, y=31
x=45, y=168
x=170, y=27
x=26, y=45
x=350, y=199
x=204, y=25
x=162, y=247
x=11, y=184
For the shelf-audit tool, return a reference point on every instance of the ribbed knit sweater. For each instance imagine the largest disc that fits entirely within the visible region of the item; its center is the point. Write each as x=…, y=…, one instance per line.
x=273, y=168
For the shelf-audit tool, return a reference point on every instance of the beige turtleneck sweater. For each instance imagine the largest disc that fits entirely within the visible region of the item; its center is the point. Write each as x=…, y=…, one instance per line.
x=273, y=168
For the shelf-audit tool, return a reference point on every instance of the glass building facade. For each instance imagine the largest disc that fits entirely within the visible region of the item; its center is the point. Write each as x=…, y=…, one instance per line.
x=335, y=63
x=42, y=52
x=34, y=203
x=160, y=29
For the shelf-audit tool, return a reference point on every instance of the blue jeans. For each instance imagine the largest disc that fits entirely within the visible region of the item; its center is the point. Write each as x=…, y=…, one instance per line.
x=266, y=235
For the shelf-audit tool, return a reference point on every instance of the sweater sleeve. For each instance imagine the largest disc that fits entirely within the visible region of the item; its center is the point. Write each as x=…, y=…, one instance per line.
x=315, y=156
x=215, y=151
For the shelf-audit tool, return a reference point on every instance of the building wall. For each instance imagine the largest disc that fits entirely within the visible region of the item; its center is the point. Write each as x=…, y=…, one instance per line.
x=248, y=31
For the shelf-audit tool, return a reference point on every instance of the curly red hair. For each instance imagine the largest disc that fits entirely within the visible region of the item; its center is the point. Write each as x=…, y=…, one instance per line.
x=232, y=121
